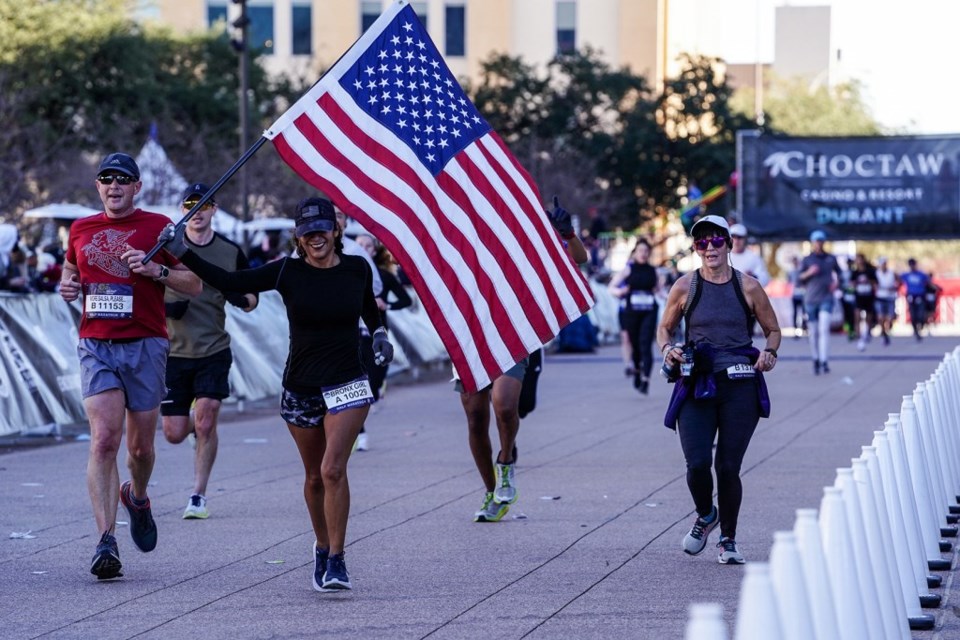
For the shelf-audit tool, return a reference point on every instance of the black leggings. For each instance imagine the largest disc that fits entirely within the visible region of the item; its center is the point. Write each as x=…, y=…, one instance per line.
x=640, y=327
x=733, y=414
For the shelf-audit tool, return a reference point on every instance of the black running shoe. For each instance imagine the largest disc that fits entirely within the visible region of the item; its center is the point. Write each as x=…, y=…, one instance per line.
x=335, y=578
x=825, y=366
x=106, y=561
x=320, y=557
x=143, y=529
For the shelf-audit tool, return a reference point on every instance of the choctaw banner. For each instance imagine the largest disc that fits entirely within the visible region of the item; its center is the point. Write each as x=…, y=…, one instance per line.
x=854, y=188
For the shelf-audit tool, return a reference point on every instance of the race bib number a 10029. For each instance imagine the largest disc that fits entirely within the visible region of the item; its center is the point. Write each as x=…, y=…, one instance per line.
x=355, y=393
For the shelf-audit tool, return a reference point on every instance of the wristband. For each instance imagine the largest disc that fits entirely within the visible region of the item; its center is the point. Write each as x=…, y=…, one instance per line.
x=664, y=348
x=773, y=351
x=380, y=329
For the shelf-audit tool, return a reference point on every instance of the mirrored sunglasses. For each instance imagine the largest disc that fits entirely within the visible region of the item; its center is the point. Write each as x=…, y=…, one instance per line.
x=715, y=241
x=121, y=179
x=192, y=202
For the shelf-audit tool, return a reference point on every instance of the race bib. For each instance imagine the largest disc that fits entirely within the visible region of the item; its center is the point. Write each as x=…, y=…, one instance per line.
x=355, y=393
x=108, y=301
x=864, y=289
x=738, y=371
x=849, y=298
x=641, y=301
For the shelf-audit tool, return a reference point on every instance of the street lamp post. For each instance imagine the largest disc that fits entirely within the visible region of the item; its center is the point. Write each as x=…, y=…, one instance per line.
x=242, y=23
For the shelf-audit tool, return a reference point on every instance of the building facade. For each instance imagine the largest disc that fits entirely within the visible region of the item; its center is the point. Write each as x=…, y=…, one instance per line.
x=306, y=36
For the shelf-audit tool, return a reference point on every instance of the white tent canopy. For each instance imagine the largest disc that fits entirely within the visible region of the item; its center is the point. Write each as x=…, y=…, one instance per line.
x=60, y=211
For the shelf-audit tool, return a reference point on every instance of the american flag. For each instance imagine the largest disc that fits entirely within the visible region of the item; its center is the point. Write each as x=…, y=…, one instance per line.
x=388, y=134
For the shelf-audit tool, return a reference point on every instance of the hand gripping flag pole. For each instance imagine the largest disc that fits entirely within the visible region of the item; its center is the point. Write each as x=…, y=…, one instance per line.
x=209, y=194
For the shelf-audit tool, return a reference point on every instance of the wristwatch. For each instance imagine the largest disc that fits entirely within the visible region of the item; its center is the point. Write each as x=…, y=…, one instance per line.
x=773, y=351
x=164, y=274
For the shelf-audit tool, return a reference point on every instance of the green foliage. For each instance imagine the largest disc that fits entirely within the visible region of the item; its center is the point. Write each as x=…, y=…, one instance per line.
x=795, y=107
x=81, y=78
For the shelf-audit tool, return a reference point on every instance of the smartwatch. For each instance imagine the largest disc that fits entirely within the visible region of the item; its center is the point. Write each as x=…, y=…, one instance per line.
x=164, y=274
x=773, y=351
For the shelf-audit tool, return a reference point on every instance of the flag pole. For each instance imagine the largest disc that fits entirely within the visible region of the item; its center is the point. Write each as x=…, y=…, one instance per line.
x=209, y=194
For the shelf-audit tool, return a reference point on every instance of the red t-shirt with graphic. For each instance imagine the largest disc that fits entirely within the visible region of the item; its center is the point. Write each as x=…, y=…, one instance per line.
x=118, y=303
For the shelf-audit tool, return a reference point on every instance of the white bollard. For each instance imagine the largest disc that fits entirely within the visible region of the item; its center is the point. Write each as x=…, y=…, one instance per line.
x=942, y=424
x=841, y=566
x=919, y=474
x=815, y=575
x=908, y=506
x=892, y=527
x=937, y=426
x=706, y=622
x=790, y=588
x=878, y=540
x=877, y=596
x=921, y=399
x=757, y=609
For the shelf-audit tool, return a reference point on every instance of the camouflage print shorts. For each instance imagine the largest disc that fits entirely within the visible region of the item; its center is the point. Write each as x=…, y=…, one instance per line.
x=303, y=410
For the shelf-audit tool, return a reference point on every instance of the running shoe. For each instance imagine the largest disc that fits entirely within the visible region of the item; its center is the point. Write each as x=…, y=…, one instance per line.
x=335, y=578
x=143, y=529
x=106, y=561
x=192, y=439
x=696, y=540
x=816, y=367
x=506, y=491
x=729, y=554
x=363, y=443
x=320, y=557
x=825, y=366
x=491, y=510
x=196, y=508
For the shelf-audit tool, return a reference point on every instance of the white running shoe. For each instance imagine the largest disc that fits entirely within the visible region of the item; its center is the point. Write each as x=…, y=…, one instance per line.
x=506, y=491
x=196, y=508
x=363, y=443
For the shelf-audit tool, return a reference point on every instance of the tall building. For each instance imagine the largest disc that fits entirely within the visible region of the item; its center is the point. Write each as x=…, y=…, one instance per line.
x=306, y=36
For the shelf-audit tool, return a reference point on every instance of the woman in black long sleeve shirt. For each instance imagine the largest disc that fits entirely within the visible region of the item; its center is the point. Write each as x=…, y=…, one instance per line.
x=326, y=392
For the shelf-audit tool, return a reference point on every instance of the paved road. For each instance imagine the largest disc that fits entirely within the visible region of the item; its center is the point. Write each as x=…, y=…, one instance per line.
x=591, y=550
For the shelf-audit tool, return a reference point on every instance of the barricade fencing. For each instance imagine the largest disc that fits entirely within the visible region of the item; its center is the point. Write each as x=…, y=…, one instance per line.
x=861, y=568
x=40, y=373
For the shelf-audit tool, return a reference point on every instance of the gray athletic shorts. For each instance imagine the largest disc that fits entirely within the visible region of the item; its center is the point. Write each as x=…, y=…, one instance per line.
x=516, y=372
x=138, y=368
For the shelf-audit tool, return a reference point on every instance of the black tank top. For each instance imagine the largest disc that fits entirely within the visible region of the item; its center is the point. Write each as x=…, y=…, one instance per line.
x=720, y=320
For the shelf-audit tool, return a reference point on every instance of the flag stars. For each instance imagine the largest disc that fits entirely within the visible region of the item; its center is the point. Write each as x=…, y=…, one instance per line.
x=402, y=124
x=395, y=40
x=430, y=144
x=372, y=85
x=431, y=157
x=421, y=45
x=386, y=110
x=443, y=143
x=416, y=140
x=357, y=84
x=407, y=27
x=398, y=69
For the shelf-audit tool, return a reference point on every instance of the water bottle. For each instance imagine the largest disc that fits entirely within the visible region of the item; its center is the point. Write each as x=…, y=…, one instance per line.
x=686, y=367
x=671, y=373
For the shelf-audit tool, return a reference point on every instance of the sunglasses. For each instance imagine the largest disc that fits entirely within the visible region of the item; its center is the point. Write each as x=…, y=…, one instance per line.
x=121, y=180
x=715, y=241
x=190, y=204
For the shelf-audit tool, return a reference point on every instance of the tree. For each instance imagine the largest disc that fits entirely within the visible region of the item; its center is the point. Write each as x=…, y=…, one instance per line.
x=798, y=108
x=81, y=79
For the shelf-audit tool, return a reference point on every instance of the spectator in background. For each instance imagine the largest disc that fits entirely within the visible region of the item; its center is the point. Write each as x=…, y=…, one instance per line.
x=820, y=274
x=393, y=298
x=9, y=237
x=887, y=285
x=932, y=298
x=269, y=249
x=796, y=297
x=747, y=261
x=743, y=259
x=863, y=277
x=916, y=283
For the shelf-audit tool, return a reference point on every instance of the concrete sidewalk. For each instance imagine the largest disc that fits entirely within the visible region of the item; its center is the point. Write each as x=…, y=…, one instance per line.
x=590, y=550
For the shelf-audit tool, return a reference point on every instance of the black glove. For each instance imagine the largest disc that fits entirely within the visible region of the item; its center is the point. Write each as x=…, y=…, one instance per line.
x=382, y=349
x=560, y=219
x=172, y=239
x=237, y=300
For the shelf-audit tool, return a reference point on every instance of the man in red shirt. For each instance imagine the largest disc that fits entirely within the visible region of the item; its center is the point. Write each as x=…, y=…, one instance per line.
x=123, y=348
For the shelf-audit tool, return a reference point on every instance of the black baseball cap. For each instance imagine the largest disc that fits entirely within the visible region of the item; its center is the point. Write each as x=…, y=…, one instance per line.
x=315, y=214
x=197, y=189
x=121, y=163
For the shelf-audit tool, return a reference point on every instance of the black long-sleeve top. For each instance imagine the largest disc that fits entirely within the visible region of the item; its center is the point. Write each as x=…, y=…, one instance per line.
x=323, y=309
